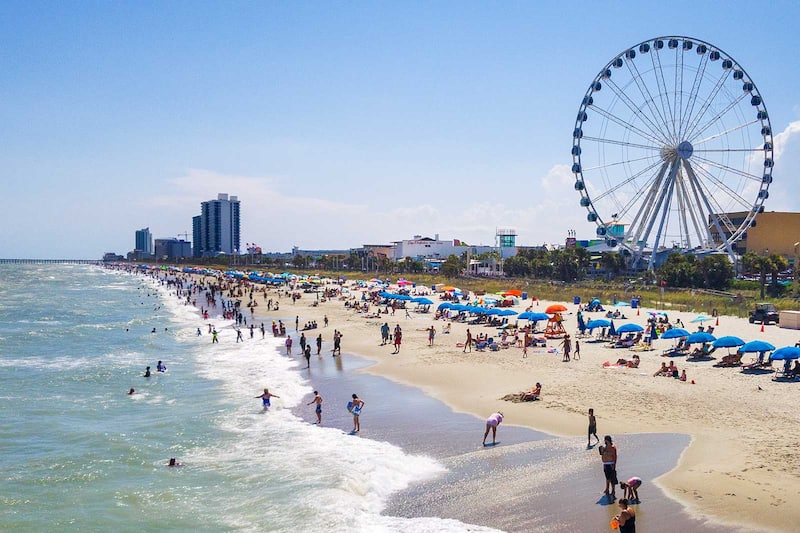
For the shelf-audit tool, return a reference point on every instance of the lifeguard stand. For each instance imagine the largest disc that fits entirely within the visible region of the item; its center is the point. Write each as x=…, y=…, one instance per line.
x=506, y=242
x=555, y=327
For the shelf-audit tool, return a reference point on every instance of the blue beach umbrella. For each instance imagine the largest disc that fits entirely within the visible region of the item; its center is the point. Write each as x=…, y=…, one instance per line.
x=492, y=311
x=675, y=333
x=630, y=328
x=533, y=317
x=728, y=341
x=700, y=337
x=445, y=305
x=422, y=300
x=507, y=312
x=785, y=354
x=622, y=304
x=701, y=318
x=598, y=323
x=612, y=332
x=756, y=346
x=459, y=307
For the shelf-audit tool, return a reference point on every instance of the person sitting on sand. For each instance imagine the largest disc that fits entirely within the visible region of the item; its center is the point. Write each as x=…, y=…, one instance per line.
x=533, y=394
x=663, y=371
x=683, y=375
x=633, y=363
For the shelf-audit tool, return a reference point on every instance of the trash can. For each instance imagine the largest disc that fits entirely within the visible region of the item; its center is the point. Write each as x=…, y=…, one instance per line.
x=576, y=300
x=524, y=295
x=634, y=303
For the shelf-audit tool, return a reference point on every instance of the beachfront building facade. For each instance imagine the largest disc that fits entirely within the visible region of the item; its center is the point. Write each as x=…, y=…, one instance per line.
x=771, y=233
x=172, y=249
x=216, y=230
x=144, y=242
x=421, y=247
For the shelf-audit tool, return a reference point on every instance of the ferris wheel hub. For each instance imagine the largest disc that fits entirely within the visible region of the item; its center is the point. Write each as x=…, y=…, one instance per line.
x=685, y=150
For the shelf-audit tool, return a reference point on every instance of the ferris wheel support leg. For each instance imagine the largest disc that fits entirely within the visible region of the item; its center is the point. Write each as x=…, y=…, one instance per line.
x=712, y=214
x=666, y=194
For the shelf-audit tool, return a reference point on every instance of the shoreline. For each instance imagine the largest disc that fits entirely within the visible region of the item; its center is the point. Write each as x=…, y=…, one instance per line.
x=727, y=472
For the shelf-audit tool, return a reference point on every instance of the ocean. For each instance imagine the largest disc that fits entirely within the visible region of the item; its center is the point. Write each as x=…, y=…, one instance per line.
x=78, y=453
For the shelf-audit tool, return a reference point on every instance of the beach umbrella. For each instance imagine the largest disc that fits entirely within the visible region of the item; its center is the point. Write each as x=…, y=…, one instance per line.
x=701, y=318
x=512, y=292
x=507, y=312
x=555, y=308
x=595, y=301
x=630, y=328
x=459, y=307
x=422, y=300
x=493, y=311
x=786, y=353
x=612, y=332
x=448, y=288
x=581, y=323
x=404, y=297
x=701, y=337
x=598, y=323
x=622, y=304
x=533, y=317
x=445, y=305
x=675, y=333
x=729, y=341
x=756, y=346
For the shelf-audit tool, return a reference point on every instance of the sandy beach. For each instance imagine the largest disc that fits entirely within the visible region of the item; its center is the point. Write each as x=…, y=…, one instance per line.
x=740, y=467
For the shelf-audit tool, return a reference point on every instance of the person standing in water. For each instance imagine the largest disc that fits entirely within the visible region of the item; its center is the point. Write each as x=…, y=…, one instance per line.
x=319, y=343
x=265, y=398
x=592, y=429
x=318, y=409
x=147, y=372
x=608, y=453
x=214, y=338
x=307, y=354
x=355, y=408
x=491, y=423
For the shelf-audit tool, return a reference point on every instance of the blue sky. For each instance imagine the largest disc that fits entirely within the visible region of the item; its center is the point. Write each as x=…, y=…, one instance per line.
x=336, y=123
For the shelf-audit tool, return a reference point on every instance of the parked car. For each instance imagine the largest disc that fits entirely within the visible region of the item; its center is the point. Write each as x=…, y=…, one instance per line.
x=764, y=313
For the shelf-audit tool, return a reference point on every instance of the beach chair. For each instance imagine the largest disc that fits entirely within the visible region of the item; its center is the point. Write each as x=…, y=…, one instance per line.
x=481, y=346
x=734, y=359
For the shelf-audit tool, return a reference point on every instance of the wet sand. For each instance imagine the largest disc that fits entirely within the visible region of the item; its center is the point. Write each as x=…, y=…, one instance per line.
x=529, y=481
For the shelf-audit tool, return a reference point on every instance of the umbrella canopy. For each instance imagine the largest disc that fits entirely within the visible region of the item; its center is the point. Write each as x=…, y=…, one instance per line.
x=422, y=300
x=675, y=333
x=612, y=332
x=459, y=307
x=445, y=305
x=756, y=346
x=728, y=341
x=555, y=308
x=700, y=337
x=448, y=288
x=701, y=318
x=493, y=311
x=512, y=292
x=507, y=312
x=595, y=301
x=629, y=328
x=534, y=317
x=404, y=297
x=786, y=353
x=599, y=323
x=622, y=304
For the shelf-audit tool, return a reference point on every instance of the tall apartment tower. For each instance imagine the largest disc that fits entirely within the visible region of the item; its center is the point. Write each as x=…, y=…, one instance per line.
x=216, y=229
x=144, y=241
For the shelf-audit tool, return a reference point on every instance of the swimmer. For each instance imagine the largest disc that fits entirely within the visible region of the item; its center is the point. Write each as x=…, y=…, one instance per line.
x=131, y=392
x=199, y=332
x=160, y=367
x=491, y=423
x=265, y=398
x=147, y=372
x=174, y=462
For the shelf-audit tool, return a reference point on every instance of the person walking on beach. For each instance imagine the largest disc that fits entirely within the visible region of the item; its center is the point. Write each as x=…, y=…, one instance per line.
x=491, y=423
x=355, y=408
x=263, y=331
x=566, y=344
x=297, y=322
x=265, y=398
x=319, y=343
x=468, y=342
x=214, y=338
x=307, y=354
x=431, y=335
x=239, y=335
x=592, y=429
x=318, y=409
x=398, y=339
x=325, y=321
x=288, y=344
x=337, y=343
x=608, y=454
x=576, y=355
x=384, y=333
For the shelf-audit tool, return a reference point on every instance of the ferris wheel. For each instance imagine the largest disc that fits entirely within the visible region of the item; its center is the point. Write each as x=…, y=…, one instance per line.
x=672, y=149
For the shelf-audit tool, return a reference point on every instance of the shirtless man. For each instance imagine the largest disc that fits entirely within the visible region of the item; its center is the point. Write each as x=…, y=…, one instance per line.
x=318, y=409
x=608, y=453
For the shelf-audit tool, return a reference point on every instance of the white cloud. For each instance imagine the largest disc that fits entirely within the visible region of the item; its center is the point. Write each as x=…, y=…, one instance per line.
x=277, y=215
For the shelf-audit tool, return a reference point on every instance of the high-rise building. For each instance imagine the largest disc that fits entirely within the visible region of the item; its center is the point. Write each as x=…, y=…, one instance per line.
x=216, y=230
x=144, y=241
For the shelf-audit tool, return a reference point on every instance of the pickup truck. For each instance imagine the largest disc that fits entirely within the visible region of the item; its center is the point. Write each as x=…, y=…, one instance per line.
x=764, y=313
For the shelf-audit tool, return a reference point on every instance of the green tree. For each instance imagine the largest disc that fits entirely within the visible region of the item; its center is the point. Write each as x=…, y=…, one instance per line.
x=716, y=271
x=613, y=263
x=756, y=263
x=451, y=267
x=517, y=267
x=777, y=264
